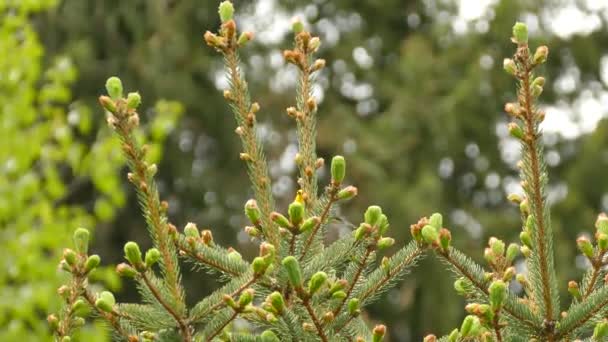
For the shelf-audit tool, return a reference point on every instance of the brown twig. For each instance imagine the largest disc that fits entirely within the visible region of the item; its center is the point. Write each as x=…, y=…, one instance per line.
x=315, y=320
x=531, y=141
x=183, y=326
x=332, y=199
x=220, y=328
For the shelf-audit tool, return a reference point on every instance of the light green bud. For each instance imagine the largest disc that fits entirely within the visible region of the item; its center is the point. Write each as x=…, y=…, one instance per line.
x=293, y=271
x=226, y=11
x=520, y=33
x=114, y=87
x=372, y=215
x=338, y=169
x=316, y=282
x=152, y=257
x=133, y=100
x=81, y=240
x=132, y=253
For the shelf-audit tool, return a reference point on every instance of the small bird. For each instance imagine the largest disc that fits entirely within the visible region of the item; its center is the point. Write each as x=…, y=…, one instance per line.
x=300, y=197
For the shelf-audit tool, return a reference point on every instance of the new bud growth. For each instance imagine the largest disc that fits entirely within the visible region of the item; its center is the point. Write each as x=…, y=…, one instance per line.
x=296, y=212
x=600, y=332
x=125, y=270
x=246, y=298
x=498, y=294
x=602, y=242
x=152, y=257
x=497, y=246
x=114, y=87
x=296, y=25
x=316, y=282
x=445, y=237
x=540, y=56
x=601, y=224
x=276, y=300
x=574, y=290
x=469, y=326
x=515, y=131
x=429, y=234
x=105, y=302
x=191, y=230
x=245, y=38
x=69, y=256
x=269, y=336
x=512, y=252
x=259, y=265
x=133, y=100
x=252, y=211
x=133, y=254
x=378, y=333
x=584, y=245
x=92, y=262
x=353, y=307
x=372, y=215
x=81, y=240
x=226, y=11
x=526, y=239
x=520, y=33
x=347, y=193
x=510, y=67
x=385, y=242
x=293, y=271
x=436, y=220
x=338, y=169
x=310, y=223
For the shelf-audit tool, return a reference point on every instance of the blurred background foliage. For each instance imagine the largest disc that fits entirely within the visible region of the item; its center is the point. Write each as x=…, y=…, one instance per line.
x=412, y=96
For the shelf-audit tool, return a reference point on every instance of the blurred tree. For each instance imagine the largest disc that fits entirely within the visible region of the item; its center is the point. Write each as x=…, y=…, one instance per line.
x=57, y=172
x=419, y=86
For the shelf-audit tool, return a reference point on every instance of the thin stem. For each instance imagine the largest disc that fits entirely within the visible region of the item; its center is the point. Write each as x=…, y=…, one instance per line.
x=306, y=135
x=362, y=265
x=315, y=320
x=110, y=317
x=220, y=328
x=221, y=303
x=538, y=201
x=257, y=167
x=76, y=288
x=332, y=199
x=497, y=326
x=203, y=260
x=150, y=201
x=590, y=314
x=592, y=282
x=391, y=274
x=292, y=244
x=183, y=327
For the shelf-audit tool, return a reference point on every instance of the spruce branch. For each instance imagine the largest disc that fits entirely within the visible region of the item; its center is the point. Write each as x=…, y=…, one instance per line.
x=113, y=317
x=203, y=252
x=534, y=179
x=245, y=111
x=332, y=193
x=183, y=325
x=361, y=265
x=390, y=271
x=463, y=266
x=580, y=314
x=123, y=118
x=306, y=108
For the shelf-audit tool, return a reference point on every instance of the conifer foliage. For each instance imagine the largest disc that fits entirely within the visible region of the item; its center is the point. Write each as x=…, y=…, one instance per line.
x=299, y=288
